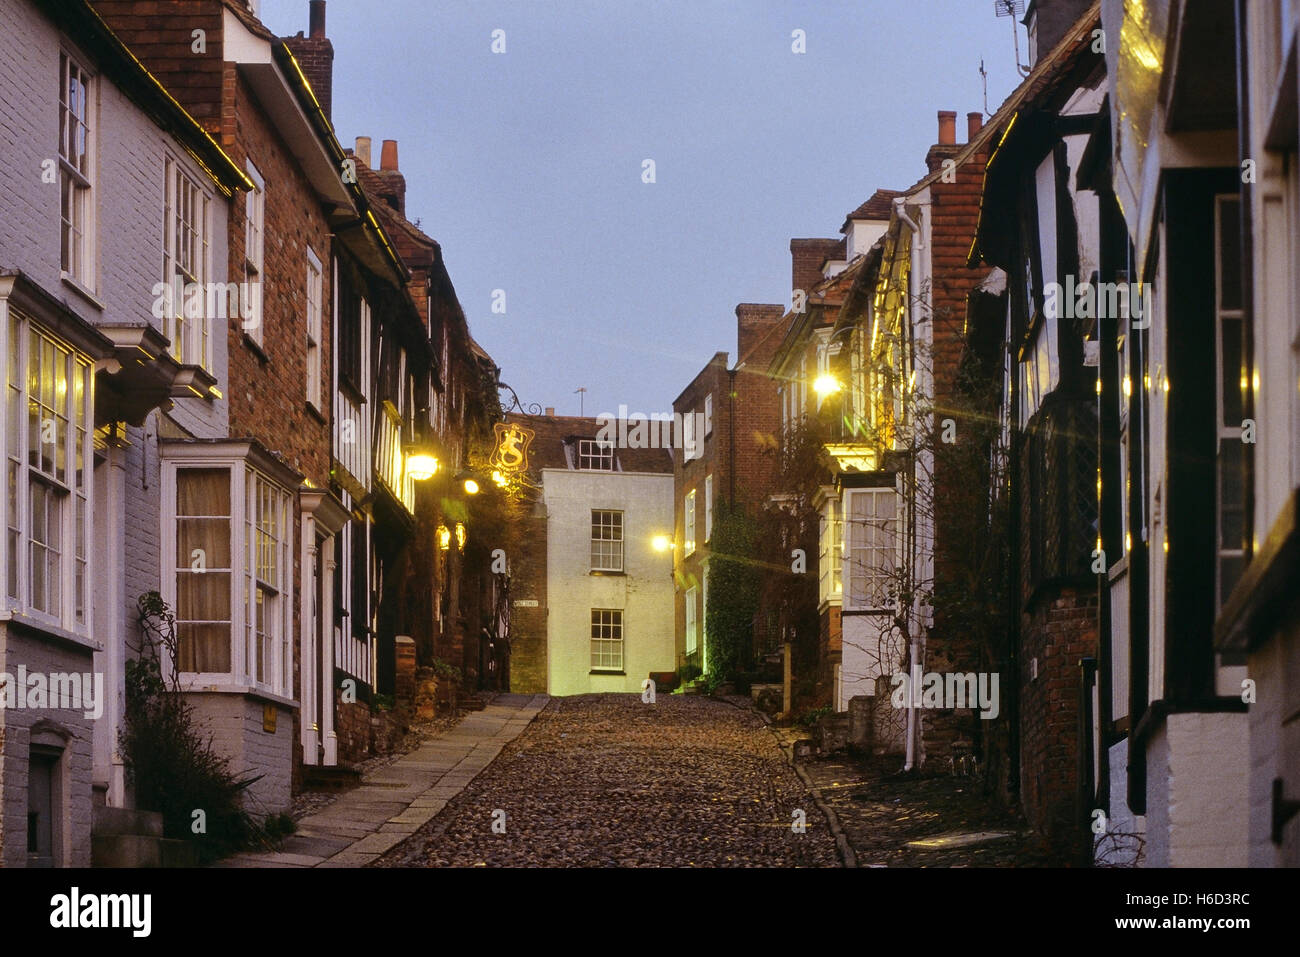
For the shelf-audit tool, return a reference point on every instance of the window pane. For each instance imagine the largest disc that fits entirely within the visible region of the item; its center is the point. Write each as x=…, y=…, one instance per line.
x=1231, y=372
x=1230, y=253
x=203, y=647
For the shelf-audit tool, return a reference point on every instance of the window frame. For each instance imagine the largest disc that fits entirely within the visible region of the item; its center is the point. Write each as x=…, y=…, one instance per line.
x=254, y=253
x=583, y=455
x=73, y=487
x=853, y=600
x=77, y=260
x=617, y=565
x=616, y=624
x=708, y=507
x=688, y=523
x=315, y=330
x=183, y=346
x=248, y=479
x=692, y=635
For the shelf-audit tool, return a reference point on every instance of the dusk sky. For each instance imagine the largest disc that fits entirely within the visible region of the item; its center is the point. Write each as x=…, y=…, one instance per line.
x=527, y=165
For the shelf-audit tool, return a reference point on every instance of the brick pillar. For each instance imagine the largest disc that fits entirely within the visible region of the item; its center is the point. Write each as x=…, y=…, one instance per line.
x=405, y=680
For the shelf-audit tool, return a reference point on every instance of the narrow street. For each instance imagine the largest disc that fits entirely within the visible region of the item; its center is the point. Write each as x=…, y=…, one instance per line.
x=607, y=780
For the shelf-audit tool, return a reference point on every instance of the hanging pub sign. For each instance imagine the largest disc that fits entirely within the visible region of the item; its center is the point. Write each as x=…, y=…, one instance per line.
x=511, y=452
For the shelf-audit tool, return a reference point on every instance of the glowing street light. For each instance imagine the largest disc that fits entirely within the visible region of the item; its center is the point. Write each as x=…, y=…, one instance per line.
x=826, y=384
x=421, y=464
x=662, y=543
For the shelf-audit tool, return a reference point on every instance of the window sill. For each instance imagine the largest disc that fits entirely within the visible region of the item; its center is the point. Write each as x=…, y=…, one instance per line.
x=612, y=674
x=315, y=413
x=82, y=291
x=255, y=348
x=49, y=630
x=192, y=687
x=602, y=573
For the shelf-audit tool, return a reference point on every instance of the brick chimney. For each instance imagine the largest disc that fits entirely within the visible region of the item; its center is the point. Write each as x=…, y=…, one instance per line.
x=806, y=258
x=315, y=54
x=393, y=183
x=362, y=152
x=946, y=147
x=974, y=123
x=755, y=320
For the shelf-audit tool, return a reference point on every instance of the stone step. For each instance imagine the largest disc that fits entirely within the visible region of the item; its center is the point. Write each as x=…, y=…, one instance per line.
x=338, y=777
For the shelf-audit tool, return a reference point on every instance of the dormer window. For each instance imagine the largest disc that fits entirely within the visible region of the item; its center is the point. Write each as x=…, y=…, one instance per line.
x=595, y=455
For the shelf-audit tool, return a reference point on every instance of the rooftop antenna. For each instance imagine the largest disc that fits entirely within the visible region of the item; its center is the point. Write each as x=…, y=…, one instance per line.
x=1015, y=9
x=579, y=392
x=984, y=78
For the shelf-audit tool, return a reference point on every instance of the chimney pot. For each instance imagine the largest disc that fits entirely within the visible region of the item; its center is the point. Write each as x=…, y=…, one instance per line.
x=974, y=123
x=550, y=410
x=388, y=156
x=363, y=151
x=947, y=127
x=317, y=18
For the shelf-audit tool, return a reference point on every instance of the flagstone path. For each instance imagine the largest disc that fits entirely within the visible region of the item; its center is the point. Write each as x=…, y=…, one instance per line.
x=394, y=801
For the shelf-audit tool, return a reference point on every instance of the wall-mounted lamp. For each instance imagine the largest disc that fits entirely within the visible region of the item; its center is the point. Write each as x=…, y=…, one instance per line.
x=421, y=464
x=661, y=543
x=460, y=535
x=444, y=537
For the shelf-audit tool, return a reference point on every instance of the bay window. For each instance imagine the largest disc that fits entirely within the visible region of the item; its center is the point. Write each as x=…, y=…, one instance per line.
x=227, y=555
x=48, y=459
x=872, y=548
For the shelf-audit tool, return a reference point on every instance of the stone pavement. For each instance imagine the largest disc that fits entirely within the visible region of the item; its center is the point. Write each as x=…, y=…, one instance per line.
x=397, y=799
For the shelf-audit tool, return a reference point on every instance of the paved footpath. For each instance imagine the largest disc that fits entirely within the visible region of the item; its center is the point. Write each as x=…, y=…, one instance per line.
x=394, y=802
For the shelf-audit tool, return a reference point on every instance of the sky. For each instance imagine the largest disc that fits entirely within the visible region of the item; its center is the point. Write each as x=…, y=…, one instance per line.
x=527, y=165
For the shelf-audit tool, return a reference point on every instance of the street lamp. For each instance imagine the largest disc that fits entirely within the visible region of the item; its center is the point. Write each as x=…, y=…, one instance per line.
x=421, y=464
x=826, y=384
x=662, y=543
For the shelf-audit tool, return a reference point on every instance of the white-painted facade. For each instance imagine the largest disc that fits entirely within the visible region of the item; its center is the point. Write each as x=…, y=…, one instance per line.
x=641, y=594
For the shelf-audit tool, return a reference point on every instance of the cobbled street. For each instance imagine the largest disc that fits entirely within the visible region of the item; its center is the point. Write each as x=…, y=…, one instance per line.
x=607, y=780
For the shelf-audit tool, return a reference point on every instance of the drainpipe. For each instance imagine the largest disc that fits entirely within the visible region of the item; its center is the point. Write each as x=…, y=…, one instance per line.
x=913, y=719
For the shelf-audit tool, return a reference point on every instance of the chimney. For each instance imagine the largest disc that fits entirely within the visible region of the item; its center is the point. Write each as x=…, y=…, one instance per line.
x=392, y=183
x=946, y=147
x=362, y=151
x=806, y=258
x=974, y=123
x=754, y=321
x=315, y=54
x=1048, y=21
x=947, y=127
x=550, y=411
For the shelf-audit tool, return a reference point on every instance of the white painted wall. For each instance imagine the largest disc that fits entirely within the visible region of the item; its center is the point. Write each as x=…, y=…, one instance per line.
x=645, y=592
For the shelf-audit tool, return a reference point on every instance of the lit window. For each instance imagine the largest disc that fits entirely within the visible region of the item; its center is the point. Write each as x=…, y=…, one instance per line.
x=708, y=414
x=606, y=541
x=596, y=455
x=185, y=268
x=314, y=284
x=48, y=458
x=606, y=639
x=692, y=621
x=830, y=550
x=76, y=172
x=689, y=508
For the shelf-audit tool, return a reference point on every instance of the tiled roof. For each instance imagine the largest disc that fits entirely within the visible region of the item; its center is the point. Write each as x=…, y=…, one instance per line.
x=552, y=431
x=879, y=206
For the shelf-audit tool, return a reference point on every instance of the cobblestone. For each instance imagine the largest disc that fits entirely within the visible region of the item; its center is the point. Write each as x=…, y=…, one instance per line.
x=606, y=780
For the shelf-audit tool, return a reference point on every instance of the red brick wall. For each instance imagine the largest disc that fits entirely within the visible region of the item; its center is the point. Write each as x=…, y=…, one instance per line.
x=528, y=625
x=1058, y=630
x=806, y=258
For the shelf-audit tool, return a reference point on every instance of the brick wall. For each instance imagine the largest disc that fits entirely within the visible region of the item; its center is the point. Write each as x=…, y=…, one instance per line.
x=1058, y=630
x=528, y=647
x=806, y=258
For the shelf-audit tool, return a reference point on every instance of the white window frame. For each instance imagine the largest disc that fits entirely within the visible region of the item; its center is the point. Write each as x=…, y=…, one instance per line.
x=688, y=523
x=315, y=329
x=692, y=620
x=77, y=227
x=1228, y=435
x=609, y=524
x=708, y=414
x=594, y=455
x=607, y=632
x=70, y=419
x=250, y=487
x=861, y=551
x=254, y=254
x=186, y=209
x=708, y=507
x=830, y=550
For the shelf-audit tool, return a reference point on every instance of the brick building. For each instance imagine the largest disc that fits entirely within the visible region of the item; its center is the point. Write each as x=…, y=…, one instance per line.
x=729, y=419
